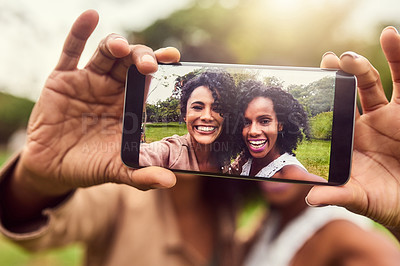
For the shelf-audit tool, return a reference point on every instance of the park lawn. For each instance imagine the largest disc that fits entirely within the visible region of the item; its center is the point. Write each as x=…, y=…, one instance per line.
x=158, y=131
x=314, y=155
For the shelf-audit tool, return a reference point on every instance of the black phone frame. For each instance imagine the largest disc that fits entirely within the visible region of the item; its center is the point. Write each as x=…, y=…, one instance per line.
x=342, y=127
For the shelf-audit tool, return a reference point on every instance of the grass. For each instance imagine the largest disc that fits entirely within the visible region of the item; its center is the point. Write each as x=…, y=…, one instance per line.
x=314, y=155
x=11, y=254
x=157, y=131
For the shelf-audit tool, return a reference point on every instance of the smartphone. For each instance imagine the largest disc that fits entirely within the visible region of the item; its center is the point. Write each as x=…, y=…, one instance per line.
x=289, y=124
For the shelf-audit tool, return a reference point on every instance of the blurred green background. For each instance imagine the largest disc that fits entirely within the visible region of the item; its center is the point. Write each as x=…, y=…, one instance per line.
x=272, y=32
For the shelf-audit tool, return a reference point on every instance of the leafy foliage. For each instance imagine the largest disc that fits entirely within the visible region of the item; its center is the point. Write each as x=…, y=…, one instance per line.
x=251, y=31
x=164, y=111
x=316, y=97
x=14, y=114
x=321, y=126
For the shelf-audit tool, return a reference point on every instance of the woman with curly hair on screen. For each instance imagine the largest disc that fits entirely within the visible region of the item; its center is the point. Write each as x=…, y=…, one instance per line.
x=205, y=103
x=274, y=122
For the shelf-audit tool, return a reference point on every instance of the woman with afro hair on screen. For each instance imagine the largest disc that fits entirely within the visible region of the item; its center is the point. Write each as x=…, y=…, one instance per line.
x=273, y=124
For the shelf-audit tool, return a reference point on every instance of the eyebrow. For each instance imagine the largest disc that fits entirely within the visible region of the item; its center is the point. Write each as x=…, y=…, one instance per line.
x=261, y=117
x=197, y=102
x=264, y=116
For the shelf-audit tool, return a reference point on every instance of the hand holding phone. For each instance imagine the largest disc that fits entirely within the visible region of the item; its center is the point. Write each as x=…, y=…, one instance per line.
x=254, y=122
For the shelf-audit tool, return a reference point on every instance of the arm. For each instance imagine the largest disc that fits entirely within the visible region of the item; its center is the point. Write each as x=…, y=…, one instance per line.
x=342, y=242
x=78, y=114
x=294, y=172
x=374, y=186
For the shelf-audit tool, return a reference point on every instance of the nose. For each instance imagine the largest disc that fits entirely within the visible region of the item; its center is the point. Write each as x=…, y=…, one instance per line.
x=253, y=130
x=206, y=114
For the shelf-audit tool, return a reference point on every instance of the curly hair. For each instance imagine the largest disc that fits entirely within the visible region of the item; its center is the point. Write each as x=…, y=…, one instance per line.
x=224, y=92
x=290, y=114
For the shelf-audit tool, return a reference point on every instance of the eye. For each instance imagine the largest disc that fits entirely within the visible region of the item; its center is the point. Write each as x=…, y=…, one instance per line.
x=197, y=107
x=247, y=123
x=265, y=121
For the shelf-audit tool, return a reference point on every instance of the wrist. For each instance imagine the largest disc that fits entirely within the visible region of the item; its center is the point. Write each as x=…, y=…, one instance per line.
x=23, y=196
x=35, y=185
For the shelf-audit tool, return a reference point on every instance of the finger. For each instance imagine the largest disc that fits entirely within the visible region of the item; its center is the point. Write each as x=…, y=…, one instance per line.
x=145, y=60
x=149, y=178
x=349, y=196
x=167, y=55
x=390, y=42
x=369, y=83
x=108, y=51
x=330, y=60
x=142, y=56
x=76, y=40
x=322, y=196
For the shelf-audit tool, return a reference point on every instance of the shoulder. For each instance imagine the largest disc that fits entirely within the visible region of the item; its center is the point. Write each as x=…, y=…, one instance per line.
x=176, y=140
x=164, y=152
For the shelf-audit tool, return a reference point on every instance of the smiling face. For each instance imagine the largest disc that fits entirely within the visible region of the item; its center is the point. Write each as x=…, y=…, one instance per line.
x=203, y=119
x=261, y=128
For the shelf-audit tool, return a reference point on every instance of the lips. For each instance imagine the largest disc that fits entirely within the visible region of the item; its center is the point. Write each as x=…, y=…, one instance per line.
x=205, y=129
x=257, y=145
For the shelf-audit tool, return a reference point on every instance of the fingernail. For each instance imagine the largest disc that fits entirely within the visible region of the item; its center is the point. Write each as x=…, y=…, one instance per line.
x=351, y=54
x=160, y=50
x=147, y=59
x=328, y=53
x=121, y=39
x=392, y=28
x=314, y=205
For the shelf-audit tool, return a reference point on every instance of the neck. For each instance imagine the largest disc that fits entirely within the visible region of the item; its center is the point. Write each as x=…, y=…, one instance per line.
x=195, y=219
x=186, y=195
x=289, y=212
x=202, y=151
x=205, y=157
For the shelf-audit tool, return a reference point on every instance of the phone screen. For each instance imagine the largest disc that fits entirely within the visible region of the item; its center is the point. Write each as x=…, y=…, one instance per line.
x=256, y=122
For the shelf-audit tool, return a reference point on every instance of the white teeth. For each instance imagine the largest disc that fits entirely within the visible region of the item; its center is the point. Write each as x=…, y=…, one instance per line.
x=257, y=143
x=205, y=129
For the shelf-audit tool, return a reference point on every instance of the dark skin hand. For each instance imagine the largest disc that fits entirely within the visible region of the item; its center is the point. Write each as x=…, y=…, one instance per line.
x=74, y=132
x=374, y=186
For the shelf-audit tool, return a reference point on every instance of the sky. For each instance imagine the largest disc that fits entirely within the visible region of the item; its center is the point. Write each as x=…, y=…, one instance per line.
x=33, y=32
x=162, y=83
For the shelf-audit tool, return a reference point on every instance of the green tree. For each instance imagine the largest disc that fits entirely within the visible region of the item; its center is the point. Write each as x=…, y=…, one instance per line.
x=14, y=114
x=164, y=111
x=321, y=126
x=316, y=97
x=252, y=31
